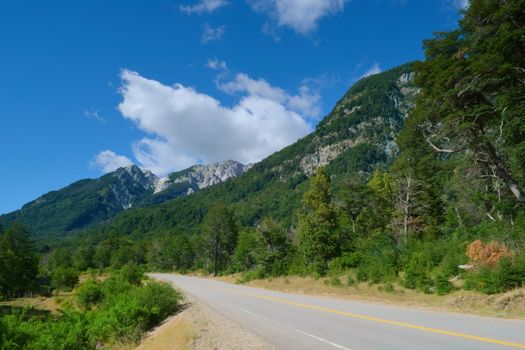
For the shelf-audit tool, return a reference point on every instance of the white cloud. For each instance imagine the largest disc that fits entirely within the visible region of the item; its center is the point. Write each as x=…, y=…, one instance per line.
x=94, y=114
x=216, y=64
x=185, y=127
x=243, y=83
x=109, y=161
x=203, y=6
x=375, y=69
x=300, y=15
x=210, y=33
x=305, y=103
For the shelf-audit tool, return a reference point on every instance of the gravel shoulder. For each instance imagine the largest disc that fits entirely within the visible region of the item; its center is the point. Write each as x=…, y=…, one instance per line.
x=199, y=327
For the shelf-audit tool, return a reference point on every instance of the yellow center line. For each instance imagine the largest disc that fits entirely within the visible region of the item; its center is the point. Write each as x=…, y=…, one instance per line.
x=382, y=320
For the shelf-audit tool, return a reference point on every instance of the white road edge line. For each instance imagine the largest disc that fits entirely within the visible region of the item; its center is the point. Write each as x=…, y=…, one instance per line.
x=297, y=330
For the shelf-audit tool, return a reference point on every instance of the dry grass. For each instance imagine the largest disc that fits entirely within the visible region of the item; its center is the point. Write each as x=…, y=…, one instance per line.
x=52, y=305
x=507, y=305
x=175, y=333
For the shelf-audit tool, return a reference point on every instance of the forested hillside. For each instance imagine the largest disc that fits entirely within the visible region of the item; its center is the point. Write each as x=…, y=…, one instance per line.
x=357, y=137
x=84, y=202
x=91, y=202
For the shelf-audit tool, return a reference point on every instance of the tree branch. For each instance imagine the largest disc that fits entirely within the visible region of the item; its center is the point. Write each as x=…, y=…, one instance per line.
x=442, y=150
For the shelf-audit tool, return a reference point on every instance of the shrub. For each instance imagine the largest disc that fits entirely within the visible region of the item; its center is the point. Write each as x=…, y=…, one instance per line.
x=416, y=273
x=345, y=261
x=122, y=316
x=256, y=273
x=380, y=264
x=443, y=285
x=131, y=273
x=128, y=315
x=64, y=278
x=507, y=274
x=89, y=293
x=487, y=254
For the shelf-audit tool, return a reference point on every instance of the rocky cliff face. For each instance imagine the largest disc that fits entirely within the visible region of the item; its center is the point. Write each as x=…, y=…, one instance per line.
x=368, y=118
x=131, y=185
x=202, y=176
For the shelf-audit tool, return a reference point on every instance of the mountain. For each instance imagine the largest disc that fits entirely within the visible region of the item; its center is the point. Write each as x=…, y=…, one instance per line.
x=354, y=139
x=195, y=178
x=92, y=201
x=357, y=137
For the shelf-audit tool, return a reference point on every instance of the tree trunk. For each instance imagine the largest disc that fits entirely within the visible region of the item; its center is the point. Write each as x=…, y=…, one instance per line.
x=407, y=207
x=215, y=256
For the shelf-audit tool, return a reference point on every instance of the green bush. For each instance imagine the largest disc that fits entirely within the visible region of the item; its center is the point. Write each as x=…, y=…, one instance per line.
x=64, y=278
x=443, y=285
x=416, y=273
x=68, y=333
x=89, y=294
x=125, y=313
x=256, y=273
x=381, y=263
x=131, y=273
x=507, y=274
x=128, y=315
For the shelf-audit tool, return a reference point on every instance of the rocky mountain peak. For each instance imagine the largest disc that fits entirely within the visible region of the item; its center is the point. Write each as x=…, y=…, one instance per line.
x=202, y=176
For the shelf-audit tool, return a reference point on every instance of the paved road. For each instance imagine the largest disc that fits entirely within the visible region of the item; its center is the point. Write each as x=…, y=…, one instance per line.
x=292, y=321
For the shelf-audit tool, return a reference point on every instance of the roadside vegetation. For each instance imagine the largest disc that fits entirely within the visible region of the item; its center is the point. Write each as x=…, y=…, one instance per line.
x=95, y=315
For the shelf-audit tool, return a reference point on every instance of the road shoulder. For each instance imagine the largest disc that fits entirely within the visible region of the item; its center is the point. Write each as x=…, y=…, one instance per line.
x=199, y=327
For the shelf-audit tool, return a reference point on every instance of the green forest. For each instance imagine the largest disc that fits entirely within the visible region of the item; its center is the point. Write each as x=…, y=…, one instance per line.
x=444, y=211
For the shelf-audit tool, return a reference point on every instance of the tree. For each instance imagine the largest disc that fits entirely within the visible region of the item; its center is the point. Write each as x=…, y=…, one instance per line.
x=102, y=255
x=184, y=252
x=83, y=256
x=220, y=236
x=171, y=252
x=318, y=225
x=275, y=246
x=367, y=206
x=472, y=91
x=18, y=260
x=64, y=278
x=247, y=251
x=61, y=257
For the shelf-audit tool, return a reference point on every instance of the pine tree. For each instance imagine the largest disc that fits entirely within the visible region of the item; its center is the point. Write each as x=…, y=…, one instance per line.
x=220, y=236
x=18, y=260
x=318, y=226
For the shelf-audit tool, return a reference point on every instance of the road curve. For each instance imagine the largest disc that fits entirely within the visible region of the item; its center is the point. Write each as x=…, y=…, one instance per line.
x=292, y=321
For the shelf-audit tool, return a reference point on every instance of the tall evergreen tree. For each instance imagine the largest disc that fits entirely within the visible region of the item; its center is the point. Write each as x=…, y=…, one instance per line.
x=473, y=91
x=220, y=236
x=18, y=260
x=318, y=226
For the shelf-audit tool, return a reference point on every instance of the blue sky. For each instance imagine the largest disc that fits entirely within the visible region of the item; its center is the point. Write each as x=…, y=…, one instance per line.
x=86, y=86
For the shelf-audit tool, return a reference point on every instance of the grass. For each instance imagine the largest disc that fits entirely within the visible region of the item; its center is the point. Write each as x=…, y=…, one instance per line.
x=177, y=332
x=38, y=304
x=506, y=305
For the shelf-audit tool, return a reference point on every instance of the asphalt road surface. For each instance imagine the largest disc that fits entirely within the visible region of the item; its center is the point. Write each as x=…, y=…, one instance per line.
x=292, y=321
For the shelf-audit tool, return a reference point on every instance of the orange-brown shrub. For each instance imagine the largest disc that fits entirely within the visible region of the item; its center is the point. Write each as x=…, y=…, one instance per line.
x=481, y=254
